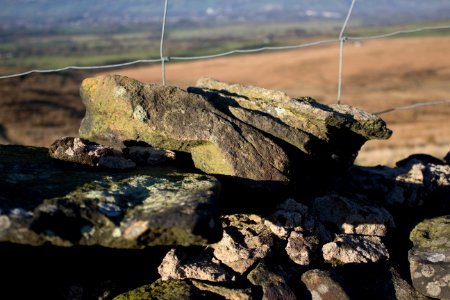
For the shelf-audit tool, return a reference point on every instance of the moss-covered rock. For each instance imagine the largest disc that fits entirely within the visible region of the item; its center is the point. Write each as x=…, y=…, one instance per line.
x=120, y=108
x=429, y=259
x=333, y=133
x=43, y=200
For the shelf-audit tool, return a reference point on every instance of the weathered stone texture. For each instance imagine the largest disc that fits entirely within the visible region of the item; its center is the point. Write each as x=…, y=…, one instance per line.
x=245, y=241
x=42, y=201
x=430, y=257
x=120, y=108
x=322, y=286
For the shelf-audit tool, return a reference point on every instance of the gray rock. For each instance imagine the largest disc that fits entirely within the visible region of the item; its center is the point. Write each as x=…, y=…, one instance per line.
x=43, y=201
x=178, y=264
x=322, y=286
x=274, y=286
x=148, y=155
x=88, y=153
x=312, y=127
x=245, y=241
x=227, y=293
x=290, y=215
x=347, y=249
x=403, y=290
x=300, y=248
x=352, y=216
x=416, y=182
x=120, y=108
x=430, y=257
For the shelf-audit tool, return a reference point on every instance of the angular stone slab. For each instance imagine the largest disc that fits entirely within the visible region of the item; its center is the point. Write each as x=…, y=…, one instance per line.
x=43, y=200
x=334, y=132
x=120, y=108
x=347, y=249
x=429, y=259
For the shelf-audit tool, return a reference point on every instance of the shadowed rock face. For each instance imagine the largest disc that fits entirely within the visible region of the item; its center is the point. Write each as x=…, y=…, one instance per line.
x=120, y=108
x=46, y=201
x=233, y=130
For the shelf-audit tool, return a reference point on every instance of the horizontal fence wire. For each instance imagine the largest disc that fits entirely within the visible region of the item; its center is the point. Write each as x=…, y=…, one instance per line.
x=342, y=38
x=412, y=106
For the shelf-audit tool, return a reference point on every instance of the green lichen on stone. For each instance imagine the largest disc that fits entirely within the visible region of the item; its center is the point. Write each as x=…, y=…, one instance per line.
x=432, y=233
x=209, y=158
x=163, y=290
x=139, y=113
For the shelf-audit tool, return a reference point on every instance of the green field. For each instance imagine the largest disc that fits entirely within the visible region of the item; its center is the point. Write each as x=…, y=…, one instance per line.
x=67, y=47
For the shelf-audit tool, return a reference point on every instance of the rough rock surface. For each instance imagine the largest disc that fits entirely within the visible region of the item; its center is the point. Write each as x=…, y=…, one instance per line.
x=274, y=286
x=120, y=108
x=300, y=248
x=290, y=215
x=245, y=240
x=352, y=216
x=322, y=286
x=180, y=265
x=223, y=132
x=89, y=153
x=430, y=257
x=334, y=132
x=354, y=249
x=172, y=289
x=43, y=201
x=227, y=293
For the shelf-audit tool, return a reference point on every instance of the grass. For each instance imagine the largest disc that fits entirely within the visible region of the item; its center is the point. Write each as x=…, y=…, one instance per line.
x=63, y=48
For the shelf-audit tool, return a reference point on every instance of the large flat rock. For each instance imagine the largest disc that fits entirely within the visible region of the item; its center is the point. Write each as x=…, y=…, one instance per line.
x=120, y=108
x=43, y=200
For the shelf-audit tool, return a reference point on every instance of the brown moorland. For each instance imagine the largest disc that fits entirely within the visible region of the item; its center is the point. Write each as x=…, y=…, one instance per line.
x=377, y=75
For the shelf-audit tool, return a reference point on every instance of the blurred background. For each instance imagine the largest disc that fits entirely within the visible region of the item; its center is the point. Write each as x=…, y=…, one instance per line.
x=378, y=74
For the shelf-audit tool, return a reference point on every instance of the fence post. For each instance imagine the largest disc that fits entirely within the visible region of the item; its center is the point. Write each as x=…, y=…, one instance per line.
x=161, y=45
x=342, y=39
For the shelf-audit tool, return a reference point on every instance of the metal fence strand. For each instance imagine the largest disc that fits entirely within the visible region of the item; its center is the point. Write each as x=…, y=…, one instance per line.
x=82, y=68
x=341, y=39
x=381, y=36
x=161, y=45
x=413, y=106
x=341, y=50
x=268, y=48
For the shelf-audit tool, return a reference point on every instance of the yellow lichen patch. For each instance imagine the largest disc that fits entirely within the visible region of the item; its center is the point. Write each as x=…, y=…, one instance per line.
x=209, y=158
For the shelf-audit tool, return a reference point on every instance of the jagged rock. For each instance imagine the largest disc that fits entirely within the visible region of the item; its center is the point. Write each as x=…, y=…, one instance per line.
x=430, y=257
x=334, y=132
x=245, y=240
x=354, y=249
x=322, y=286
x=148, y=155
x=120, y=108
x=416, y=182
x=227, y=293
x=180, y=265
x=300, y=248
x=422, y=158
x=350, y=216
x=44, y=201
x=274, y=286
x=402, y=289
x=88, y=153
x=170, y=290
x=290, y=215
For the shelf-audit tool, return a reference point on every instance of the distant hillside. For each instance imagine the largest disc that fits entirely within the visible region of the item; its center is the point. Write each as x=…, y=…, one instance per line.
x=51, y=13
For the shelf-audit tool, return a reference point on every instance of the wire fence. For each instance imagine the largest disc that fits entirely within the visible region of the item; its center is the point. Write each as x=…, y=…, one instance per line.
x=341, y=39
